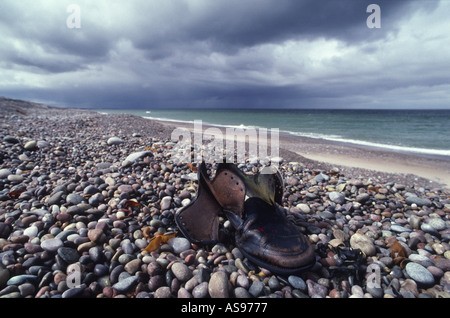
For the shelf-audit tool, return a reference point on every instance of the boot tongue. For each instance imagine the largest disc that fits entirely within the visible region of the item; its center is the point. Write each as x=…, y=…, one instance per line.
x=228, y=189
x=267, y=184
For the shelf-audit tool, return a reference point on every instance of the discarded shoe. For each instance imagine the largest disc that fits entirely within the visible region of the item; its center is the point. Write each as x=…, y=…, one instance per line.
x=199, y=220
x=270, y=240
x=263, y=233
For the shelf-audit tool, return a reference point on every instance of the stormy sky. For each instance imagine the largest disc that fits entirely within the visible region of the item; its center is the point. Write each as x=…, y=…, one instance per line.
x=226, y=53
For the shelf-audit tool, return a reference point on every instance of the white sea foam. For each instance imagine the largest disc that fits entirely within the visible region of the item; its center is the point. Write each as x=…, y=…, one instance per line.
x=241, y=126
x=440, y=152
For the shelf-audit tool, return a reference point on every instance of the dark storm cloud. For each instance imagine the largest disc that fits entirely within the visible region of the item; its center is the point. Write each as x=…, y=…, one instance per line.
x=200, y=53
x=228, y=26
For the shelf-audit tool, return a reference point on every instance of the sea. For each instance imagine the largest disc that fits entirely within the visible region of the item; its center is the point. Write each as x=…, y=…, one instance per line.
x=416, y=131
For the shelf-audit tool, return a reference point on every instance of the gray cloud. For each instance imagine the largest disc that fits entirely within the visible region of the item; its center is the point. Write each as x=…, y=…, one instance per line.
x=202, y=53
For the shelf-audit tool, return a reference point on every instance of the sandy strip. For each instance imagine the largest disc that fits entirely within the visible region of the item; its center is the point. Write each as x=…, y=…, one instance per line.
x=436, y=169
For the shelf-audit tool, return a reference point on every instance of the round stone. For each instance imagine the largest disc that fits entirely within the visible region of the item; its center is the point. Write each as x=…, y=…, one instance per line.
x=256, y=289
x=337, y=197
x=133, y=266
x=419, y=274
x=163, y=292
x=399, y=229
x=4, y=173
x=15, y=178
x=115, y=141
x=31, y=145
x=364, y=243
x=126, y=284
x=316, y=290
x=201, y=290
x=219, y=285
x=31, y=231
x=421, y=259
x=179, y=244
x=52, y=245
x=297, y=282
x=74, y=198
x=304, y=208
x=181, y=271
x=69, y=255
x=438, y=224
x=418, y=201
x=362, y=198
x=165, y=203
x=219, y=249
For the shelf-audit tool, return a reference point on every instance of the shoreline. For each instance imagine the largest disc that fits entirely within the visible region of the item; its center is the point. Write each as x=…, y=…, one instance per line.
x=364, y=159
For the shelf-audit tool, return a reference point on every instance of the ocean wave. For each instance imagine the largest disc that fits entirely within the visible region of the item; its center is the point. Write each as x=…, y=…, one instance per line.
x=440, y=152
x=241, y=126
x=337, y=138
x=169, y=120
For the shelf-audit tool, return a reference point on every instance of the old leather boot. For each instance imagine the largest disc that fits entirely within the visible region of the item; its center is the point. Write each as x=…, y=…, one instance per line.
x=268, y=239
x=263, y=233
x=199, y=220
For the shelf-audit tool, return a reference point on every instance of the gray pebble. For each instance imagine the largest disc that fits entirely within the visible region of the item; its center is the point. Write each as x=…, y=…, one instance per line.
x=115, y=141
x=69, y=255
x=256, y=289
x=126, y=284
x=74, y=292
x=55, y=198
x=30, y=145
x=240, y=292
x=243, y=281
x=15, y=178
x=274, y=284
x=437, y=223
x=399, y=228
x=74, y=198
x=21, y=279
x=165, y=203
x=219, y=285
x=419, y=274
x=26, y=289
x=429, y=229
x=181, y=271
x=179, y=244
x=184, y=293
x=421, y=259
x=219, y=248
x=163, y=292
x=337, y=197
x=200, y=291
x=419, y=201
x=4, y=173
x=376, y=292
x=297, y=282
x=316, y=290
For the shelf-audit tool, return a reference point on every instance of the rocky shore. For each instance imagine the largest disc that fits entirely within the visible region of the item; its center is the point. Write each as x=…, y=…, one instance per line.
x=82, y=195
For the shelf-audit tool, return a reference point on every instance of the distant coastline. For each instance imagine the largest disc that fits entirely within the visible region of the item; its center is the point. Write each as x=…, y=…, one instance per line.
x=316, y=134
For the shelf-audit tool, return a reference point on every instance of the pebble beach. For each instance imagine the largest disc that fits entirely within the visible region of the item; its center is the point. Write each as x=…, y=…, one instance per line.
x=86, y=192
